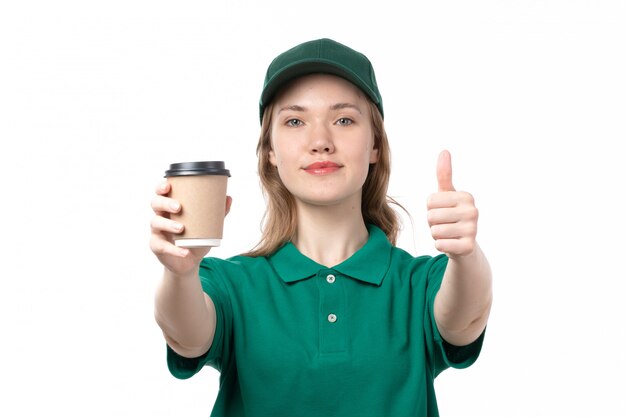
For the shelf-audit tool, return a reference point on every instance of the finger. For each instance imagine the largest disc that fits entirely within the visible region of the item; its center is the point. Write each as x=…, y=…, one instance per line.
x=163, y=188
x=229, y=202
x=455, y=247
x=450, y=199
x=161, y=224
x=441, y=232
x=444, y=172
x=460, y=213
x=453, y=231
x=442, y=200
x=160, y=246
x=442, y=216
x=161, y=204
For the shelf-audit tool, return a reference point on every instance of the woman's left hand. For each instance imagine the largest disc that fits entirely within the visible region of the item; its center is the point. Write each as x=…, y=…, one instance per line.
x=452, y=215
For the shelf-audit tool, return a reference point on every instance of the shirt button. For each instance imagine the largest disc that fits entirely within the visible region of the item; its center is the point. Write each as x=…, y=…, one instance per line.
x=332, y=318
x=330, y=278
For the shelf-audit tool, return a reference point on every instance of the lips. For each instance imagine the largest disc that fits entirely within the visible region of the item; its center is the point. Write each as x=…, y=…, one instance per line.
x=322, y=167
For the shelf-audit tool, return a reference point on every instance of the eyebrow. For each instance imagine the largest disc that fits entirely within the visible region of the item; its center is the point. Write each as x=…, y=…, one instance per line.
x=293, y=107
x=338, y=106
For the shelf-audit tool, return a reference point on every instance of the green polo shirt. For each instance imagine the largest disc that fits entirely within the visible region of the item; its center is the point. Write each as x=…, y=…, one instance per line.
x=295, y=338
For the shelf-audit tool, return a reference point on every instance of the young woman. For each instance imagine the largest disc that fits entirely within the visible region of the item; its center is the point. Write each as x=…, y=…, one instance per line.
x=326, y=317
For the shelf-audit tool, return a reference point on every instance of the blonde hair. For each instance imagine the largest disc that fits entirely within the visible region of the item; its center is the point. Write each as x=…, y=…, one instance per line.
x=280, y=219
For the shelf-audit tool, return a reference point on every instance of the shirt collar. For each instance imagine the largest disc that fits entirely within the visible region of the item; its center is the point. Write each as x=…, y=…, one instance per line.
x=368, y=264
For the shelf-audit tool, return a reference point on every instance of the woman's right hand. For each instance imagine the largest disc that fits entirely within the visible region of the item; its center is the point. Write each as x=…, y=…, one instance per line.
x=180, y=261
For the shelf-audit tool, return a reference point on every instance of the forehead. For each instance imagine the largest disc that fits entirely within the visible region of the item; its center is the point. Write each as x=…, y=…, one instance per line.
x=320, y=84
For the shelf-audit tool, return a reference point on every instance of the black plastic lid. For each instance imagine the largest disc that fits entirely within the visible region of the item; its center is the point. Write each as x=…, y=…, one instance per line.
x=197, y=168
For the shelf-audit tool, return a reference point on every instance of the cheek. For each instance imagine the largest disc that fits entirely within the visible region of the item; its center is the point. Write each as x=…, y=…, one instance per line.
x=277, y=159
x=284, y=154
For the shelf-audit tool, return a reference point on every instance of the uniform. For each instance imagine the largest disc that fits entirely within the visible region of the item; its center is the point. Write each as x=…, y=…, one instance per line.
x=298, y=339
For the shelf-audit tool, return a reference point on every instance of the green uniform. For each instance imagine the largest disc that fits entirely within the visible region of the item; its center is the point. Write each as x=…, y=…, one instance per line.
x=295, y=338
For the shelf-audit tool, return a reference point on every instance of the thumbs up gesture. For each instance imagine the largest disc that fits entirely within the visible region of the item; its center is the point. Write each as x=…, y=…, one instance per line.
x=452, y=215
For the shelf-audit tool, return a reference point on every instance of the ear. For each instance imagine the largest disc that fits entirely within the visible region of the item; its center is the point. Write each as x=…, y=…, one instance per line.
x=374, y=156
x=272, y=157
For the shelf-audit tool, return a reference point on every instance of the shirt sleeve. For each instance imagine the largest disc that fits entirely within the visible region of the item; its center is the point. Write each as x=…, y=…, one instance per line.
x=443, y=354
x=213, y=284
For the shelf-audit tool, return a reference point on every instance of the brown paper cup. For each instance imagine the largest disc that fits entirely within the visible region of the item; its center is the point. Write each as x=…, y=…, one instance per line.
x=200, y=188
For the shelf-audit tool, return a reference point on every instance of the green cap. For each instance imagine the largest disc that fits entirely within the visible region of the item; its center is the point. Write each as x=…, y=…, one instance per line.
x=320, y=56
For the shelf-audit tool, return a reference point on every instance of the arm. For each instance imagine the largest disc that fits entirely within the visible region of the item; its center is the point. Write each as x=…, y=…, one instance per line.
x=463, y=302
x=185, y=314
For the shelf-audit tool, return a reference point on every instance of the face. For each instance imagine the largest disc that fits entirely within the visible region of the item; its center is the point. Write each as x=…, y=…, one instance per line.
x=322, y=140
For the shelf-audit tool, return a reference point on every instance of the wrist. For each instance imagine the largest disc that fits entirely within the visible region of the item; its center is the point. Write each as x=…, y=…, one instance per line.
x=179, y=277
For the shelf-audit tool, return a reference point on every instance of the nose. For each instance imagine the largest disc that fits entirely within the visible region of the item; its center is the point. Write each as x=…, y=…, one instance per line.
x=321, y=140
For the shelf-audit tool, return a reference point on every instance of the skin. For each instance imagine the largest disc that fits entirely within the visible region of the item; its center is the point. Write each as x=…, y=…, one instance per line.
x=184, y=312
x=325, y=118
x=463, y=302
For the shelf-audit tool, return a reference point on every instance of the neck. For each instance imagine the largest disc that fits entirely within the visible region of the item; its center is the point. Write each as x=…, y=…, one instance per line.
x=330, y=234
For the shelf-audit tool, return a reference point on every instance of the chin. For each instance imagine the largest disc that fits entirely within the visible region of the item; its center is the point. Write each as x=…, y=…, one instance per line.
x=328, y=200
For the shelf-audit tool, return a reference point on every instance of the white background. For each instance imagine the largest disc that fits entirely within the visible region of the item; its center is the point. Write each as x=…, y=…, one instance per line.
x=98, y=98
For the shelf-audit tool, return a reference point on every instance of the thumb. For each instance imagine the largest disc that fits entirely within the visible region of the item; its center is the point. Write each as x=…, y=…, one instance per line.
x=229, y=202
x=444, y=172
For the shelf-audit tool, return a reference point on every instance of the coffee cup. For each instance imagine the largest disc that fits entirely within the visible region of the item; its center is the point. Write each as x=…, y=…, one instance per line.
x=200, y=188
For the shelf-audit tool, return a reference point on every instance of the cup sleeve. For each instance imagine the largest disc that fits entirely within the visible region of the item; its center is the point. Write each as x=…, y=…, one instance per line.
x=442, y=354
x=213, y=285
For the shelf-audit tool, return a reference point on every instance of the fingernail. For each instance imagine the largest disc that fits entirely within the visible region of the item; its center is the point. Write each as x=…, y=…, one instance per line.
x=174, y=205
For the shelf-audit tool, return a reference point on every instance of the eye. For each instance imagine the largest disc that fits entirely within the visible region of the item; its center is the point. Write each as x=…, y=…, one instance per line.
x=344, y=121
x=294, y=122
